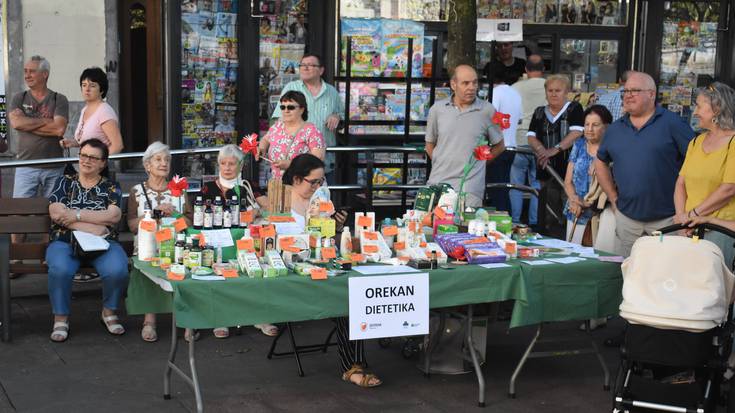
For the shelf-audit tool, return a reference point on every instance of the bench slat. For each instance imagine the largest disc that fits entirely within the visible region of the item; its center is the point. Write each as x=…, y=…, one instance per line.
x=23, y=206
x=28, y=251
x=36, y=224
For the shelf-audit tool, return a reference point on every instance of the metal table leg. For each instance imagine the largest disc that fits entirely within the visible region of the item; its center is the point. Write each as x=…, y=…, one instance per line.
x=512, y=390
x=475, y=360
x=5, y=284
x=171, y=366
x=606, y=385
x=433, y=342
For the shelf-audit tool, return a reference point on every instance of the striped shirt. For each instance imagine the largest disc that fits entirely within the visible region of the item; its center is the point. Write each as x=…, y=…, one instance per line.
x=326, y=103
x=613, y=103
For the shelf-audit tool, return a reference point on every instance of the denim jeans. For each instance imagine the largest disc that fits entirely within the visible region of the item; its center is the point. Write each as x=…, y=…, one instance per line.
x=523, y=172
x=28, y=181
x=112, y=266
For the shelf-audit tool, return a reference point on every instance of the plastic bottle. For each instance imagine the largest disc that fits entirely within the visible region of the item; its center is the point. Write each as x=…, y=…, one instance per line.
x=243, y=207
x=179, y=248
x=235, y=211
x=218, y=211
x=198, y=213
x=226, y=216
x=146, y=238
x=345, y=243
x=208, y=216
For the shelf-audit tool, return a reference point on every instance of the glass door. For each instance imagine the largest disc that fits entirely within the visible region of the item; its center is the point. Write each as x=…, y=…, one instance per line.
x=589, y=62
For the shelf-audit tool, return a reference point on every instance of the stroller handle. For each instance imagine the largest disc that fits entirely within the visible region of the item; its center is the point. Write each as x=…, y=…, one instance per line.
x=698, y=229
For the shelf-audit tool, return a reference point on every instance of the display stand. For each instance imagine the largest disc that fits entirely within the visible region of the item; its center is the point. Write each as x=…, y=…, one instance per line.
x=377, y=139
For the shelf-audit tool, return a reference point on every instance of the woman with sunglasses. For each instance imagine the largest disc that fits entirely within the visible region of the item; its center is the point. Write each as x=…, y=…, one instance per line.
x=291, y=135
x=305, y=174
x=706, y=182
x=86, y=202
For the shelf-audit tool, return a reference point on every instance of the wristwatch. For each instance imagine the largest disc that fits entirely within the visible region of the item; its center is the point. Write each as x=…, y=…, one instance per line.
x=558, y=146
x=79, y=214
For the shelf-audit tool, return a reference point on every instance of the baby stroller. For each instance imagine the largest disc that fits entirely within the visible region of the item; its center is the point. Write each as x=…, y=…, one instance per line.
x=676, y=296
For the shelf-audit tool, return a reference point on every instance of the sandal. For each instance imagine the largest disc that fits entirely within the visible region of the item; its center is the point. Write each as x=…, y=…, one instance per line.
x=60, y=331
x=268, y=329
x=221, y=332
x=368, y=379
x=148, y=333
x=116, y=329
x=188, y=335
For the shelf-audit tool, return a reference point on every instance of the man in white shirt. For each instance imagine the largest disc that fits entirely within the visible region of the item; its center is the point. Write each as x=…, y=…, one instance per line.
x=523, y=170
x=506, y=100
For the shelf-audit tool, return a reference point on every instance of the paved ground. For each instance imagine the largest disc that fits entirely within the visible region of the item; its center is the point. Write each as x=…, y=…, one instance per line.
x=94, y=371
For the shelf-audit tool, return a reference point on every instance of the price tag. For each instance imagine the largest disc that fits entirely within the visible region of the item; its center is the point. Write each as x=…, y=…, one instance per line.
x=412, y=226
x=246, y=216
x=399, y=246
x=246, y=244
x=163, y=235
x=180, y=224
x=281, y=218
x=357, y=257
x=229, y=273
x=422, y=244
x=174, y=277
x=329, y=253
x=286, y=242
x=440, y=213
x=390, y=230
x=149, y=226
x=364, y=221
x=318, y=273
x=372, y=236
x=201, y=238
x=370, y=249
x=326, y=206
x=268, y=231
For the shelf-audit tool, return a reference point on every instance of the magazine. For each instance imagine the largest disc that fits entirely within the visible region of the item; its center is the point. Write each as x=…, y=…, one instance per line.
x=366, y=46
x=394, y=52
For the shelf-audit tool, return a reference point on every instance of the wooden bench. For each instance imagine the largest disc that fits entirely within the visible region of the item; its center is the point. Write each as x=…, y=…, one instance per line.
x=28, y=216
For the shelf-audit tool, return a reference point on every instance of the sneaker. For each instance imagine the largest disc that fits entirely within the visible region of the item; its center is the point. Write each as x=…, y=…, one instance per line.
x=84, y=278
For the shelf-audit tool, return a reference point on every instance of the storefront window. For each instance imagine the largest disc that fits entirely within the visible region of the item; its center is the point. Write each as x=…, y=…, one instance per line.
x=688, y=50
x=590, y=12
x=209, y=65
x=588, y=62
x=422, y=10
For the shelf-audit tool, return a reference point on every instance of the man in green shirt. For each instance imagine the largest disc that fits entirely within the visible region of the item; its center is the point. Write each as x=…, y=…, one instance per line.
x=324, y=105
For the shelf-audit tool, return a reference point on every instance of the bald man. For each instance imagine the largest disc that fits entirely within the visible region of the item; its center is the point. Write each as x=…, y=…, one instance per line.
x=452, y=131
x=646, y=148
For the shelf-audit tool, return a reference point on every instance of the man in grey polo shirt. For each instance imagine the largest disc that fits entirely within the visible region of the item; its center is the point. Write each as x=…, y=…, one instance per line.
x=452, y=131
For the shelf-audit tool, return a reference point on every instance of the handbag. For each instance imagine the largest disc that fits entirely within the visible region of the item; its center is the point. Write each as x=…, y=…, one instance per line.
x=80, y=253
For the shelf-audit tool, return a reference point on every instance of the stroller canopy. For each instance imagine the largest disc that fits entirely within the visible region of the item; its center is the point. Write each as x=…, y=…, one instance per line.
x=674, y=282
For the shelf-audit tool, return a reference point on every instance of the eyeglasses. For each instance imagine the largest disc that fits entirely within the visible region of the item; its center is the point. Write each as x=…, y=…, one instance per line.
x=308, y=66
x=289, y=107
x=632, y=92
x=315, y=182
x=85, y=157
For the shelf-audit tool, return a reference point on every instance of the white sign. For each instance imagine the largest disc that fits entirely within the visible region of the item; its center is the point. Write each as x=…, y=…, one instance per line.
x=218, y=238
x=389, y=306
x=501, y=30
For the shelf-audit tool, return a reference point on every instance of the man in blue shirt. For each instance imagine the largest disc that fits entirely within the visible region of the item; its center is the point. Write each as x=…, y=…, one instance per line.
x=613, y=101
x=646, y=148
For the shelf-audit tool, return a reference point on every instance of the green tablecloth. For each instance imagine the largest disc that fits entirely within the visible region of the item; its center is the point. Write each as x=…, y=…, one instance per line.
x=556, y=292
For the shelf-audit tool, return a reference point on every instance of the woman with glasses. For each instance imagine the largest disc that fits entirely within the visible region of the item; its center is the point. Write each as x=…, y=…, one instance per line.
x=305, y=174
x=98, y=119
x=706, y=182
x=153, y=194
x=291, y=135
x=86, y=202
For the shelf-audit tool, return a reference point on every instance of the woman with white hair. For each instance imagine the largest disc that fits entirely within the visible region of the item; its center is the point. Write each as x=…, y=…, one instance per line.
x=228, y=184
x=154, y=194
x=706, y=182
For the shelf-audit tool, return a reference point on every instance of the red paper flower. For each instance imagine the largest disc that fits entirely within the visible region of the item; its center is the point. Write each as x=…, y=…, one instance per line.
x=483, y=153
x=177, y=185
x=502, y=120
x=249, y=144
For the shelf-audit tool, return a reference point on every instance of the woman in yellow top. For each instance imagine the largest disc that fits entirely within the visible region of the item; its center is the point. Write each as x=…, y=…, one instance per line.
x=706, y=183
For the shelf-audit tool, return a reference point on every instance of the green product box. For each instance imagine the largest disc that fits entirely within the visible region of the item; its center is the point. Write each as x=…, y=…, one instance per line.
x=447, y=229
x=276, y=262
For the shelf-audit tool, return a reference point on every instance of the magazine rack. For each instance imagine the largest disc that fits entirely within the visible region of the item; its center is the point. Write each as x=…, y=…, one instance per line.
x=392, y=139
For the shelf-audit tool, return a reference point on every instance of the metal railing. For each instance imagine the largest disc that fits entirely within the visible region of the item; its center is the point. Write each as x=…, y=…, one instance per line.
x=368, y=188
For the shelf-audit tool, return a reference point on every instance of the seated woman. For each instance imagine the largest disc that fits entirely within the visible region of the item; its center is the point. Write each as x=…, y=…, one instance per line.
x=291, y=135
x=229, y=184
x=153, y=194
x=306, y=175
x=86, y=202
